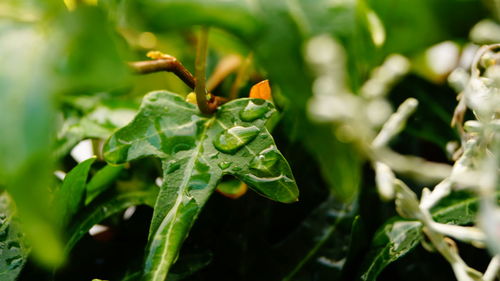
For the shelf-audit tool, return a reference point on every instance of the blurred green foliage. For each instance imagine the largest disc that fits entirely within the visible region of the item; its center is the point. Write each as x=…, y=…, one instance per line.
x=64, y=78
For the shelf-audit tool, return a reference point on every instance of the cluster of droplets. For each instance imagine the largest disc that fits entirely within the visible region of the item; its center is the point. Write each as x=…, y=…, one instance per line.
x=232, y=139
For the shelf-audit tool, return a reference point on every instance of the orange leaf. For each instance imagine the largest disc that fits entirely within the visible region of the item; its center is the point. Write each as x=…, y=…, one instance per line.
x=261, y=90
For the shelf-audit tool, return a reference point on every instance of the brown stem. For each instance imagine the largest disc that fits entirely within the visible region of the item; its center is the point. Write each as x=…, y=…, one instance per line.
x=165, y=64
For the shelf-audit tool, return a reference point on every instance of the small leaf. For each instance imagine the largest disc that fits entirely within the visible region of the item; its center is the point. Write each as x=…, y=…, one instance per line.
x=70, y=197
x=196, y=151
x=261, y=90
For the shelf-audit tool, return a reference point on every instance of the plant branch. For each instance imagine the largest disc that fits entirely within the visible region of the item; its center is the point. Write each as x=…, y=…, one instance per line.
x=200, y=72
x=169, y=64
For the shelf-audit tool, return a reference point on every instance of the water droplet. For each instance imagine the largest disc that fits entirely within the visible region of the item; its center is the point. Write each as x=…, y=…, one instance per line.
x=224, y=165
x=172, y=166
x=254, y=111
x=153, y=97
x=215, y=155
x=266, y=161
x=237, y=168
x=200, y=177
x=232, y=139
x=180, y=146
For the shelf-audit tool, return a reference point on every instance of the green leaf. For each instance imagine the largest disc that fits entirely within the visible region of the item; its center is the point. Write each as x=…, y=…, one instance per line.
x=101, y=181
x=14, y=249
x=70, y=197
x=392, y=241
x=397, y=237
x=196, y=151
x=106, y=206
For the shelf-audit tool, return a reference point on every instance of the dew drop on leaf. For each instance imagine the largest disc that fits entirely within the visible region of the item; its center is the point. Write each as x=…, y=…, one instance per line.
x=172, y=166
x=232, y=139
x=254, y=111
x=224, y=165
x=266, y=161
x=200, y=177
x=153, y=98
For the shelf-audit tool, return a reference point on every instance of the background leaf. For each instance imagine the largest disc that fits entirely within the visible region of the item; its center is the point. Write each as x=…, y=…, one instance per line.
x=71, y=196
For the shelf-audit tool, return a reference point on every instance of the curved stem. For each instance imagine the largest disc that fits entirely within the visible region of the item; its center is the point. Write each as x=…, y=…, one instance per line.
x=200, y=74
x=170, y=64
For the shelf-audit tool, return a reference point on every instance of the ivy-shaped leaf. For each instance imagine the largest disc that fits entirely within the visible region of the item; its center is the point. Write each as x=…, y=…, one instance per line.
x=196, y=151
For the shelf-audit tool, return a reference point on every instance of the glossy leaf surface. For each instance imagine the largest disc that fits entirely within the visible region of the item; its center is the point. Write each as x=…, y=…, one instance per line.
x=196, y=151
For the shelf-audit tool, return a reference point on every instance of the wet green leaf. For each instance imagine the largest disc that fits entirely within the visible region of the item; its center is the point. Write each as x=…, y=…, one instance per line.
x=14, y=250
x=193, y=148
